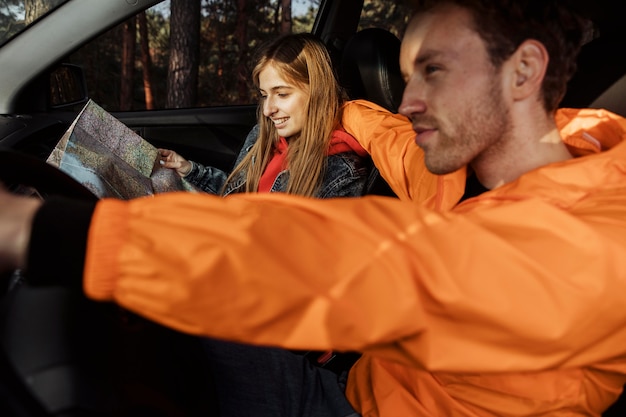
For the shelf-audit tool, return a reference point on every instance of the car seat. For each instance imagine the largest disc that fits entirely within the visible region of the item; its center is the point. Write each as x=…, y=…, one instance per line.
x=370, y=69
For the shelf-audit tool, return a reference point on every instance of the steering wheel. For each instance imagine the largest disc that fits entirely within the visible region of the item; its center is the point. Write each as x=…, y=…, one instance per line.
x=21, y=169
x=64, y=355
x=25, y=174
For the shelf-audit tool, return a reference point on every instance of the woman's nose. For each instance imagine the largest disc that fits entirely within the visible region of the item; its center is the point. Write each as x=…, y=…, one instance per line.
x=268, y=107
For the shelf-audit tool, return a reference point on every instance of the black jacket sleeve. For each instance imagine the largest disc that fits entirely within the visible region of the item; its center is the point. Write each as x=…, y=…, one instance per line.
x=58, y=243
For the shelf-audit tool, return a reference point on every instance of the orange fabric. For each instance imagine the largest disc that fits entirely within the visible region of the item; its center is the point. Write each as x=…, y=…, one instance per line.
x=388, y=138
x=508, y=304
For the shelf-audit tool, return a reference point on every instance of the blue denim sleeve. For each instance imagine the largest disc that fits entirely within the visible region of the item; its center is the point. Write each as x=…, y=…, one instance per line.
x=346, y=176
x=210, y=179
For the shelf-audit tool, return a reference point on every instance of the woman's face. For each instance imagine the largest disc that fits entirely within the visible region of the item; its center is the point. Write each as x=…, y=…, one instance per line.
x=284, y=103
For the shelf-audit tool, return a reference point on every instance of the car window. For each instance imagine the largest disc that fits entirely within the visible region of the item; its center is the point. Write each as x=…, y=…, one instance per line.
x=17, y=15
x=392, y=16
x=132, y=67
x=156, y=61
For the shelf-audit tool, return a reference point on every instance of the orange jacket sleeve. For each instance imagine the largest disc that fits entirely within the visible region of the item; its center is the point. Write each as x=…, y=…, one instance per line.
x=505, y=285
x=389, y=139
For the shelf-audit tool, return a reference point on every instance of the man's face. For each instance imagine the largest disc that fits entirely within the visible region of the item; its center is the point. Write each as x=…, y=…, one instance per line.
x=453, y=94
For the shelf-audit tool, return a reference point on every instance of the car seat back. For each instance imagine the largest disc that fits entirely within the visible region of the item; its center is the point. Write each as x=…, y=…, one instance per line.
x=370, y=70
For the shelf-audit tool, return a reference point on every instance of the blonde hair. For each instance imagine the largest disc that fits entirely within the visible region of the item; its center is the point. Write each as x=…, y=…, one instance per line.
x=303, y=60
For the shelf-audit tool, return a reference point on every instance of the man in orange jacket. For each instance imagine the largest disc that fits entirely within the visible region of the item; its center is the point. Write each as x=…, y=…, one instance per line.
x=510, y=302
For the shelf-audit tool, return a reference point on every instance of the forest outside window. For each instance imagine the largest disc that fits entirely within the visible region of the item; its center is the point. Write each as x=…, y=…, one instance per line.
x=17, y=15
x=187, y=53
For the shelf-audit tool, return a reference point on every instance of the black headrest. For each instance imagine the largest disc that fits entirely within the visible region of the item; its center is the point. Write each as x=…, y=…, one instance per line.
x=370, y=68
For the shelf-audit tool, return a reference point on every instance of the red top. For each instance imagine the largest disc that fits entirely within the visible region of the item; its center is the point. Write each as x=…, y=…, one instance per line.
x=341, y=141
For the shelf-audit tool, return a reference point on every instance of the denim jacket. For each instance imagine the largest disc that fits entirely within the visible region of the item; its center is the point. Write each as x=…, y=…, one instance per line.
x=346, y=174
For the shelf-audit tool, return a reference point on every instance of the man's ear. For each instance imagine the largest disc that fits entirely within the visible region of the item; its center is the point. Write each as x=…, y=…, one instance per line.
x=529, y=64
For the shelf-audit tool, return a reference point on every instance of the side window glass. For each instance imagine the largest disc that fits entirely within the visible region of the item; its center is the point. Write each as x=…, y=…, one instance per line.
x=392, y=16
x=188, y=53
x=17, y=15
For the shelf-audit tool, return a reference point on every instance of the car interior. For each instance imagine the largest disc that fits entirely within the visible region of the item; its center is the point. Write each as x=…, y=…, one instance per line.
x=63, y=355
x=72, y=384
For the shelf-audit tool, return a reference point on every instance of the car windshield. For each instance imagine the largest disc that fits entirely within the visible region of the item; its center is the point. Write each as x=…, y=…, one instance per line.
x=17, y=15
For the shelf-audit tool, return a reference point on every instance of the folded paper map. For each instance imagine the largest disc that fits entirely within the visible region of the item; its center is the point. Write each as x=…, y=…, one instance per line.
x=112, y=160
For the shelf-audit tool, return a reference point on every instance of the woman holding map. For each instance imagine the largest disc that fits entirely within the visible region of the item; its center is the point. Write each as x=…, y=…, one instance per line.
x=298, y=145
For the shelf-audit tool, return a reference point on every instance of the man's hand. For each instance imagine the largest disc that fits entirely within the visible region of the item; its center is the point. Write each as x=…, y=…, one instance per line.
x=16, y=216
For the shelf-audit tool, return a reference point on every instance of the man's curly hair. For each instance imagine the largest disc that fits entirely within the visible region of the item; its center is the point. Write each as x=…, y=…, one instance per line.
x=505, y=24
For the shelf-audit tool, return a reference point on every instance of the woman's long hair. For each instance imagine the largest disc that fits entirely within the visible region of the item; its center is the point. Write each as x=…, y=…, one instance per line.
x=303, y=60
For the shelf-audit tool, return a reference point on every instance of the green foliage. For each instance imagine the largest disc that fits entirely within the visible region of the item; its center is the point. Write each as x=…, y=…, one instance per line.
x=11, y=18
x=15, y=14
x=304, y=22
x=392, y=16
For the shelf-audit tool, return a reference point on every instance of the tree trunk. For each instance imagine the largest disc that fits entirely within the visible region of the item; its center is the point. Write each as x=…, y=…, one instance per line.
x=182, y=77
x=241, y=35
x=36, y=8
x=129, y=37
x=146, y=61
x=285, y=21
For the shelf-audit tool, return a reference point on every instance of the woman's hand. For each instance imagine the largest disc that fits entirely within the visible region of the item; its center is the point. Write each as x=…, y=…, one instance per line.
x=172, y=160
